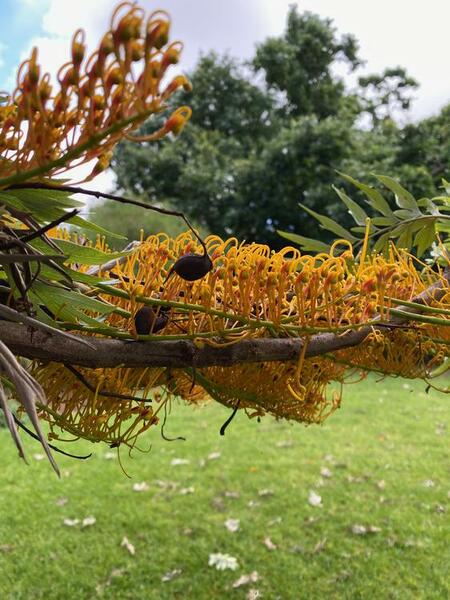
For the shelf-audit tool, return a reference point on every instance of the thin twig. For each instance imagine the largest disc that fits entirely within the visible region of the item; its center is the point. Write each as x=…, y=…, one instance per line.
x=92, y=389
x=123, y=200
x=35, y=437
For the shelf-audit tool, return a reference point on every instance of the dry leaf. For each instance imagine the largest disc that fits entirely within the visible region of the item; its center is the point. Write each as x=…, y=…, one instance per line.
x=284, y=444
x=320, y=546
x=141, y=487
x=6, y=548
x=38, y=456
x=171, y=575
x=214, y=455
x=229, y=494
x=187, y=490
x=325, y=472
x=253, y=594
x=222, y=561
x=88, y=521
x=252, y=503
x=381, y=484
x=265, y=492
x=232, y=525
x=269, y=544
x=109, y=455
x=175, y=462
x=359, y=530
x=71, y=522
x=246, y=579
x=128, y=545
x=167, y=485
x=314, y=499
x=428, y=483
x=61, y=501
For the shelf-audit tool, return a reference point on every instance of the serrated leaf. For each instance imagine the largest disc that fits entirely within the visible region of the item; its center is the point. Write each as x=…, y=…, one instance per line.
x=79, y=254
x=374, y=197
x=354, y=209
x=330, y=225
x=403, y=198
x=306, y=243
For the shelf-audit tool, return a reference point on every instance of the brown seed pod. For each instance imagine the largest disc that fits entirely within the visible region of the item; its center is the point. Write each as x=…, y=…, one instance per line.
x=191, y=267
x=148, y=320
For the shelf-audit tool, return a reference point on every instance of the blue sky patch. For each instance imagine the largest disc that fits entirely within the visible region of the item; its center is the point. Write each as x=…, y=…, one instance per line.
x=19, y=22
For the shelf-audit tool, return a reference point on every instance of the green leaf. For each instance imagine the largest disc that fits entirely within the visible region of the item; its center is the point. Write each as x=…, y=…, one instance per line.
x=58, y=198
x=354, y=209
x=374, y=197
x=424, y=238
x=306, y=243
x=384, y=221
x=69, y=305
x=403, y=198
x=81, y=222
x=79, y=254
x=330, y=225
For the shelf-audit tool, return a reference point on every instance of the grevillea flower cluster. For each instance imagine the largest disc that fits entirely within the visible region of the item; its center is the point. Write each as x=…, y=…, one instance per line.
x=97, y=100
x=250, y=292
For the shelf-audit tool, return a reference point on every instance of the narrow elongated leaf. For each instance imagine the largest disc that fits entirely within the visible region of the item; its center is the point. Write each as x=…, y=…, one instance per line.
x=306, y=243
x=57, y=198
x=374, y=197
x=403, y=198
x=60, y=296
x=384, y=221
x=354, y=209
x=330, y=225
x=81, y=222
x=79, y=254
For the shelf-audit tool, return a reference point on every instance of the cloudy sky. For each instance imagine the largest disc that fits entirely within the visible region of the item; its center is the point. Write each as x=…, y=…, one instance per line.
x=390, y=32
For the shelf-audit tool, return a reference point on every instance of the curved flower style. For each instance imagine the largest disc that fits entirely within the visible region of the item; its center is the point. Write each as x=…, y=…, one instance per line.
x=250, y=292
x=46, y=129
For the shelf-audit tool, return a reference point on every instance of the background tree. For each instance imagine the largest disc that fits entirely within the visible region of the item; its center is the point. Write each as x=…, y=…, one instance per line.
x=273, y=133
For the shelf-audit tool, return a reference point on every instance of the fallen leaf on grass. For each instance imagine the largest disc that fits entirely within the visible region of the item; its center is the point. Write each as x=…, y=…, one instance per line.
x=381, y=484
x=440, y=508
x=187, y=490
x=61, y=501
x=167, y=485
x=253, y=594
x=222, y=561
x=109, y=455
x=229, y=494
x=171, y=575
x=71, y=522
x=265, y=492
x=269, y=544
x=214, y=455
x=252, y=503
x=314, y=499
x=325, y=472
x=274, y=521
x=128, y=546
x=363, y=530
x=176, y=462
x=88, y=522
x=428, y=483
x=319, y=546
x=232, y=525
x=329, y=458
x=6, y=548
x=38, y=456
x=284, y=444
x=246, y=579
x=141, y=487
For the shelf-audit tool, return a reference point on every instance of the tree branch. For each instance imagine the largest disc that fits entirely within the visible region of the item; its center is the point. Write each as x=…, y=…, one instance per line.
x=101, y=352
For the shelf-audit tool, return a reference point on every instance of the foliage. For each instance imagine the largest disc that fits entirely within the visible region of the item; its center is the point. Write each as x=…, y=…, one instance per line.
x=382, y=452
x=412, y=226
x=271, y=134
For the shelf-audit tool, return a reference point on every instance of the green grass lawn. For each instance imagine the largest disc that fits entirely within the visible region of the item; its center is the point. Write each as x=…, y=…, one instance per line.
x=386, y=461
